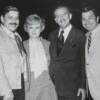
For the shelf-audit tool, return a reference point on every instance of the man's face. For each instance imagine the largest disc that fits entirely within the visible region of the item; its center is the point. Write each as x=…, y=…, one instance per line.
x=62, y=17
x=89, y=20
x=11, y=20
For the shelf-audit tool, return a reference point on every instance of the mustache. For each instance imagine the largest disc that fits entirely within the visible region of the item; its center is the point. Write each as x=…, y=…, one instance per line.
x=13, y=23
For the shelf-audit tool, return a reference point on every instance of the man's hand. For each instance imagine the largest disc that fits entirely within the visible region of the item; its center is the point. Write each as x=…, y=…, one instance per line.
x=9, y=96
x=82, y=92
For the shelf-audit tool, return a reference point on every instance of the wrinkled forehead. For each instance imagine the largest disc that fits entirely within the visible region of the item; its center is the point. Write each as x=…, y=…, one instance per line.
x=88, y=14
x=61, y=11
x=12, y=13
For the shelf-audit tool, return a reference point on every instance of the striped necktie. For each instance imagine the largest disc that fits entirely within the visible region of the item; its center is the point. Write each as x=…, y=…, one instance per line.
x=61, y=37
x=60, y=42
x=89, y=41
x=20, y=45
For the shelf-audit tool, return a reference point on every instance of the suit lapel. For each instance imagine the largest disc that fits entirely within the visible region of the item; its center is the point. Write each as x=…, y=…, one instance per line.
x=67, y=43
x=26, y=45
x=54, y=44
x=86, y=49
x=70, y=37
x=69, y=40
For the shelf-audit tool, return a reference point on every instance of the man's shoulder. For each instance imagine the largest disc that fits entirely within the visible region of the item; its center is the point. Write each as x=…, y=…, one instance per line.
x=77, y=30
x=78, y=34
x=2, y=35
x=1, y=31
x=55, y=30
x=53, y=34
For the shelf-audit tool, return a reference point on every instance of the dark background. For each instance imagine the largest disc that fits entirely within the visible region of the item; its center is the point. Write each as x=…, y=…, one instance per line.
x=44, y=8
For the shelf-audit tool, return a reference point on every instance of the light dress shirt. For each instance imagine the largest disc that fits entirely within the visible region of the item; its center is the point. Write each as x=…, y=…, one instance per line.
x=12, y=64
x=38, y=59
x=66, y=32
x=93, y=63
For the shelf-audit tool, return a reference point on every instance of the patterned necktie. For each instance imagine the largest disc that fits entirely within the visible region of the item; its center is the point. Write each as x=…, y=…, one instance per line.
x=61, y=37
x=60, y=42
x=20, y=45
x=89, y=41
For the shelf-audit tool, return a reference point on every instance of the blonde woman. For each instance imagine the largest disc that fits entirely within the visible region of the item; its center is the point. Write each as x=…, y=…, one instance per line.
x=37, y=48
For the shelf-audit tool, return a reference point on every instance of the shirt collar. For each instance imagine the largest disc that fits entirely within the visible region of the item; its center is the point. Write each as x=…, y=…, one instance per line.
x=96, y=30
x=66, y=30
x=8, y=32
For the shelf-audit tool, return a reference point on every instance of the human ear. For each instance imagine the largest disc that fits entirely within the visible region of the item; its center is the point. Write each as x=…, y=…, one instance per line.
x=70, y=16
x=2, y=19
x=97, y=18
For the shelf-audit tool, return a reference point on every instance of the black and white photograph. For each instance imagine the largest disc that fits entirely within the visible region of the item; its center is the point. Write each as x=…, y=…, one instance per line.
x=49, y=50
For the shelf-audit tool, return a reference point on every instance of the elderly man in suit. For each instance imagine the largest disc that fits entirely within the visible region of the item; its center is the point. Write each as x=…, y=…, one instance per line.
x=12, y=56
x=90, y=21
x=67, y=69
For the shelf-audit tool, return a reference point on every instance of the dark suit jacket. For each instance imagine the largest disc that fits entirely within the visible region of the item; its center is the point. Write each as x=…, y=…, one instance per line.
x=67, y=70
x=1, y=97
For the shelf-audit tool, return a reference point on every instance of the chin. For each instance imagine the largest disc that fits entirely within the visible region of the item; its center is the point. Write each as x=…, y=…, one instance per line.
x=12, y=30
x=34, y=36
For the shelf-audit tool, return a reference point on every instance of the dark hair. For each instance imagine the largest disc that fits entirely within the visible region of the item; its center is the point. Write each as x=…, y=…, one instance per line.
x=89, y=8
x=8, y=9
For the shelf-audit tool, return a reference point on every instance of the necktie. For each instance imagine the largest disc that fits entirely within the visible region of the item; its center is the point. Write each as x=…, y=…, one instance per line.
x=20, y=45
x=61, y=37
x=89, y=41
x=60, y=42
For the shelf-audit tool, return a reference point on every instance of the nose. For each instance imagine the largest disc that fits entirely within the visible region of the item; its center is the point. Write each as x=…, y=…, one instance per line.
x=61, y=19
x=85, y=21
x=15, y=20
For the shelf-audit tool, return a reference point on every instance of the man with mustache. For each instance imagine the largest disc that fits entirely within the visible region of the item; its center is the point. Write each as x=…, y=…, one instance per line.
x=12, y=57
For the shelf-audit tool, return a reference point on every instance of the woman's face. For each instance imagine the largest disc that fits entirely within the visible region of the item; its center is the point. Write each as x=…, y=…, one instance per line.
x=34, y=29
